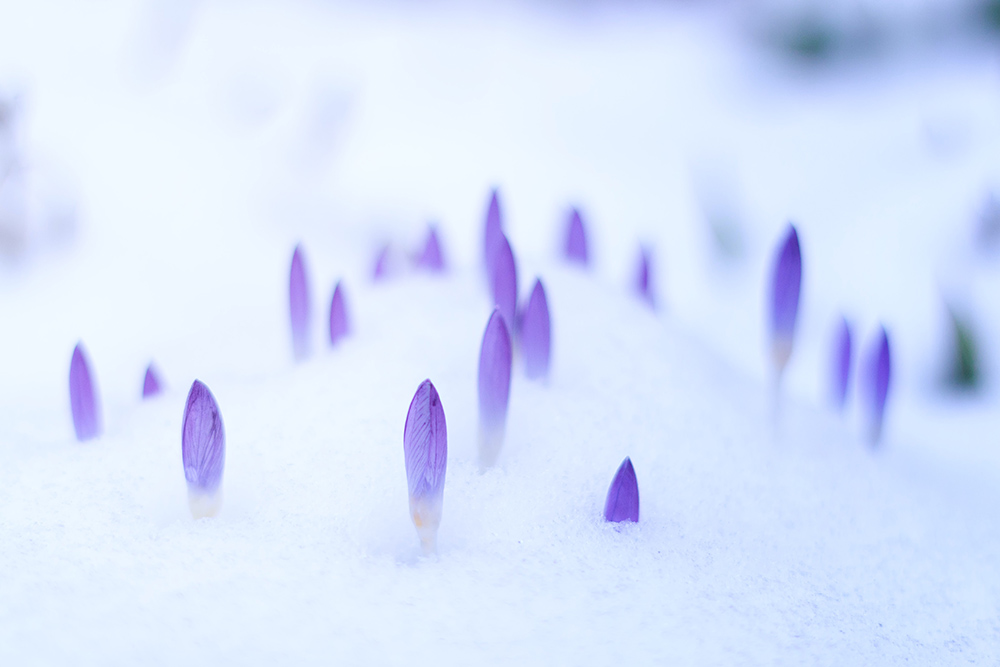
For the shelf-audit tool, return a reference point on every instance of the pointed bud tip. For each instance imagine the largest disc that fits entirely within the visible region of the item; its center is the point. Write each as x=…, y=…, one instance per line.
x=83, y=397
x=786, y=283
x=151, y=385
x=203, y=441
x=298, y=304
x=339, y=323
x=576, y=239
x=622, y=503
x=536, y=335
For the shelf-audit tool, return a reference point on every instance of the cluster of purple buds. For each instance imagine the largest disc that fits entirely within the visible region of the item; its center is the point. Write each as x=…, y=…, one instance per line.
x=151, y=384
x=425, y=450
x=299, y=306
x=494, y=388
x=535, y=335
x=576, y=239
x=83, y=399
x=203, y=451
x=623, y=495
x=786, y=280
x=877, y=380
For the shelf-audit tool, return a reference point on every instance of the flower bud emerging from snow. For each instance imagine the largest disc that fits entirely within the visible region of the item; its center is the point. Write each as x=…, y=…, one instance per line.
x=785, y=283
x=535, y=334
x=381, y=263
x=431, y=258
x=623, y=496
x=504, y=284
x=151, y=385
x=841, y=363
x=643, y=287
x=493, y=232
x=83, y=397
x=425, y=449
x=879, y=372
x=576, y=239
x=494, y=388
x=203, y=450
x=339, y=326
x=298, y=302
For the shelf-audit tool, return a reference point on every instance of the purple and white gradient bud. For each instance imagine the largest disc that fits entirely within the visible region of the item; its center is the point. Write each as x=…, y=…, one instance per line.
x=494, y=388
x=878, y=378
x=425, y=449
x=299, y=306
x=786, y=280
x=381, y=270
x=339, y=324
x=623, y=495
x=203, y=451
x=576, y=239
x=431, y=257
x=505, y=282
x=83, y=400
x=536, y=334
x=492, y=234
x=151, y=384
x=643, y=285
x=841, y=370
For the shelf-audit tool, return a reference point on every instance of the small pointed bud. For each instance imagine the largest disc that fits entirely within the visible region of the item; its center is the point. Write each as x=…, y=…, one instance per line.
x=298, y=301
x=83, y=397
x=535, y=333
x=786, y=280
x=151, y=385
x=494, y=388
x=203, y=450
x=623, y=496
x=643, y=284
x=431, y=257
x=339, y=325
x=505, y=281
x=425, y=450
x=381, y=270
x=841, y=363
x=576, y=239
x=878, y=377
x=493, y=232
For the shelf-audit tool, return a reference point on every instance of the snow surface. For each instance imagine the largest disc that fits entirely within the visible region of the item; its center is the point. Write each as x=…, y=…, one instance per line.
x=199, y=153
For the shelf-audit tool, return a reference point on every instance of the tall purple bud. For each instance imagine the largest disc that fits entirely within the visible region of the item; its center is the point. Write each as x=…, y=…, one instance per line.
x=339, y=325
x=425, y=449
x=535, y=333
x=491, y=237
x=431, y=257
x=623, y=496
x=576, y=239
x=83, y=397
x=505, y=281
x=643, y=285
x=151, y=385
x=298, y=305
x=841, y=364
x=203, y=450
x=494, y=388
x=785, y=283
x=878, y=377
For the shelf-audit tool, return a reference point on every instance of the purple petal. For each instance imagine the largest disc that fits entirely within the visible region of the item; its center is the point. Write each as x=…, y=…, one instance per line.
x=841, y=363
x=203, y=441
x=381, y=263
x=494, y=387
x=431, y=257
x=505, y=281
x=151, y=385
x=879, y=372
x=623, y=496
x=491, y=237
x=425, y=449
x=298, y=300
x=785, y=283
x=339, y=326
x=83, y=397
x=576, y=239
x=642, y=283
x=535, y=333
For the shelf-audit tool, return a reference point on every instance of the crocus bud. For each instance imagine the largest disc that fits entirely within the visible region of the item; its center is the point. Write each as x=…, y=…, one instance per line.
x=643, y=286
x=535, y=333
x=298, y=302
x=494, y=388
x=505, y=281
x=785, y=283
x=841, y=363
x=151, y=385
x=381, y=269
x=492, y=234
x=83, y=397
x=623, y=496
x=425, y=449
x=339, y=325
x=203, y=450
x=878, y=376
x=431, y=257
x=576, y=239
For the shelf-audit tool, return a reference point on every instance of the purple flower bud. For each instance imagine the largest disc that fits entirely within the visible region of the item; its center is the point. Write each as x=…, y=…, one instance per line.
x=298, y=300
x=491, y=238
x=505, y=281
x=535, y=333
x=203, y=449
x=623, y=496
x=83, y=397
x=425, y=449
x=576, y=239
x=785, y=283
x=381, y=263
x=151, y=385
x=879, y=368
x=841, y=363
x=494, y=388
x=642, y=283
x=431, y=257
x=339, y=326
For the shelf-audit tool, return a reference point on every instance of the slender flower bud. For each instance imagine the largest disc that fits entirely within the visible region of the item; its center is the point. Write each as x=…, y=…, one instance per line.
x=493, y=232
x=505, y=281
x=879, y=372
x=494, y=388
x=203, y=450
x=83, y=397
x=576, y=239
x=339, y=325
x=151, y=385
x=643, y=286
x=431, y=257
x=425, y=449
x=535, y=333
x=623, y=496
x=381, y=263
x=841, y=364
x=785, y=283
x=298, y=300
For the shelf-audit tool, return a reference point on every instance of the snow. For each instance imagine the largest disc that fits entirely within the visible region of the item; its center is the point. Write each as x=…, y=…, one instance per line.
x=767, y=534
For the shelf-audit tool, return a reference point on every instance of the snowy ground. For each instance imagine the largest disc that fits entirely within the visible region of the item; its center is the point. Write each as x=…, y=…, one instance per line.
x=198, y=155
